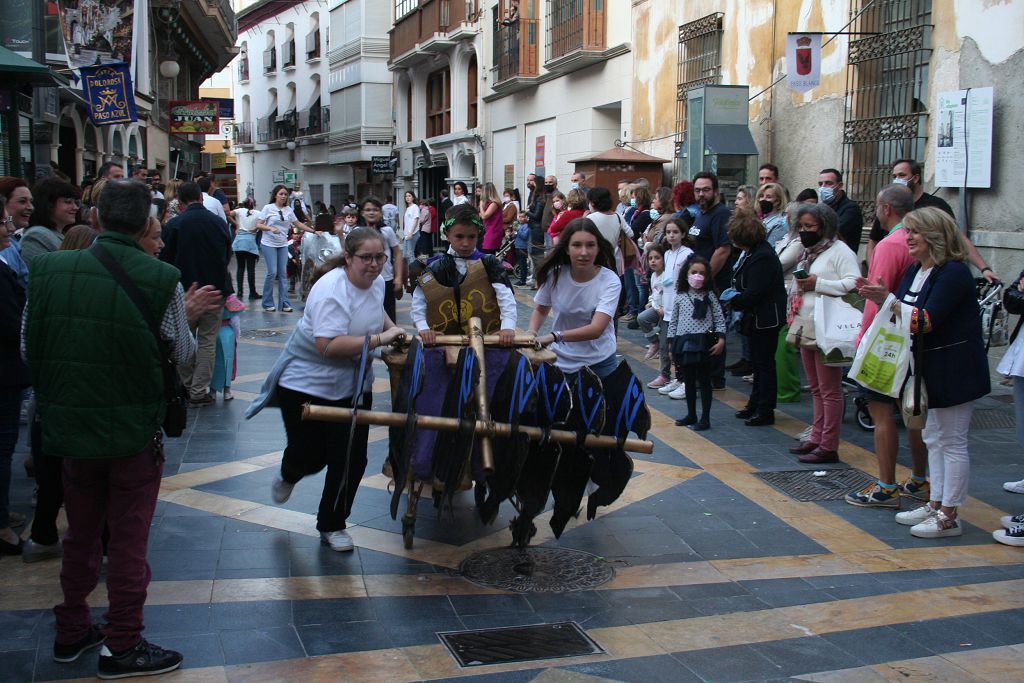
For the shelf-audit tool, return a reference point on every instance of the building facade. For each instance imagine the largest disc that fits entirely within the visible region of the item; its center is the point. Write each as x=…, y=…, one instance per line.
x=490, y=91
x=197, y=36
x=282, y=106
x=312, y=111
x=883, y=65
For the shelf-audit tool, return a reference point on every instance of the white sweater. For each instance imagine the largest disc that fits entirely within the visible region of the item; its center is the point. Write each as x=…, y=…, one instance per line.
x=837, y=271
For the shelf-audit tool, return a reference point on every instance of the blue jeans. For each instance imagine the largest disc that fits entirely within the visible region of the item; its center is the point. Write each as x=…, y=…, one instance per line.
x=632, y=293
x=276, y=259
x=10, y=411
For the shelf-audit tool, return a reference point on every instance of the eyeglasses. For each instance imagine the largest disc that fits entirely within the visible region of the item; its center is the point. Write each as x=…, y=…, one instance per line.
x=280, y=213
x=367, y=259
x=807, y=226
x=703, y=190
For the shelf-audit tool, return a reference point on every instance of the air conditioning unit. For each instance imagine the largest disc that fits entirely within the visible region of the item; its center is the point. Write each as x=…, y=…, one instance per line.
x=405, y=168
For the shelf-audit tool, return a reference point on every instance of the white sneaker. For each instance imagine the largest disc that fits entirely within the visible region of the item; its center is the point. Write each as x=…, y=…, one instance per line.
x=1011, y=521
x=937, y=525
x=281, y=490
x=678, y=393
x=339, y=540
x=915, y=516
x=804, y=435
x=670, y=387
x=227, y=394
x=1012, y=536
x=1014, y=486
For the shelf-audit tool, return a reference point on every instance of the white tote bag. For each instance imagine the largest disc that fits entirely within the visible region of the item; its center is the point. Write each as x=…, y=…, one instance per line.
x=882, y=360
x=836, y=328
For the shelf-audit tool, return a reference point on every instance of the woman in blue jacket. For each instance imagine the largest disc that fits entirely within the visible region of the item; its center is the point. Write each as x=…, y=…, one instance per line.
x=939, y=295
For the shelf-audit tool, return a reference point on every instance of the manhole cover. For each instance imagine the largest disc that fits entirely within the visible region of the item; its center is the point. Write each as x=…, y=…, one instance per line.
x=260, y=334
x=536, y=570
x=802, y=485
x=519, y=644
x=992, y=419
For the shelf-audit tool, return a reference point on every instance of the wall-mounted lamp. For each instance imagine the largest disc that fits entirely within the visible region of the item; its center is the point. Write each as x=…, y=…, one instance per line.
x=169, y=69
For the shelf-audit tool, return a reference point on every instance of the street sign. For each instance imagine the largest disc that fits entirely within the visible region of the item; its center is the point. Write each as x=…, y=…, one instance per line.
x=381, y=165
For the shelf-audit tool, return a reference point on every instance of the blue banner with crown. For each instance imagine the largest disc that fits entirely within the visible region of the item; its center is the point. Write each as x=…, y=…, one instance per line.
x=108, y=91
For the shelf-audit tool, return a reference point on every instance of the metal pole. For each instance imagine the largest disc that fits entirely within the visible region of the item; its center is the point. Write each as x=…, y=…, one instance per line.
x=40, y=144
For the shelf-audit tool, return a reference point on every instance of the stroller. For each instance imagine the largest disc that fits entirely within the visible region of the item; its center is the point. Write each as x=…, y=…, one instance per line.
x=507, y=254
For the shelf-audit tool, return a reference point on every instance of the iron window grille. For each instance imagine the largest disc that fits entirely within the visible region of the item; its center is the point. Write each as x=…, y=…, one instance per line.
x=700, y=63
x=886, y=94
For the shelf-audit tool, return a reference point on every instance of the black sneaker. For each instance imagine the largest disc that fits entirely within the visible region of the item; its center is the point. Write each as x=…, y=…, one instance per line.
x=145, y=659
x=69, y=653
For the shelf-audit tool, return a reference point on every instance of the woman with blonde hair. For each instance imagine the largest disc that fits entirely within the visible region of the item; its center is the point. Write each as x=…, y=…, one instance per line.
x=938, y=295
x=490, y=213
x=171, y=195
x=772, y=199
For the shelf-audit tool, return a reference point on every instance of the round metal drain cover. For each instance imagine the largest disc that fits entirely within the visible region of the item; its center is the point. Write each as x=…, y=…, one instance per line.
x=536, y=570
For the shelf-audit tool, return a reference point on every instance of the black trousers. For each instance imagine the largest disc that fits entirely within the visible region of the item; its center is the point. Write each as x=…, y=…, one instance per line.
x=246, y=263
x=694, y=376
x=314, y=445
x=389, y=299
x=50, y=481
x=762, y=356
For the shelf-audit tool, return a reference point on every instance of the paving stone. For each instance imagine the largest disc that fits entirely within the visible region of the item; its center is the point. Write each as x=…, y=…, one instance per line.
x=260, y=645
x=332, y=638
x=725, y=664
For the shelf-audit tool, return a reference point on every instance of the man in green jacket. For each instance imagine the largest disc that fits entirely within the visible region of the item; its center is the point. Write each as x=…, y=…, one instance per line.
x=96, y=369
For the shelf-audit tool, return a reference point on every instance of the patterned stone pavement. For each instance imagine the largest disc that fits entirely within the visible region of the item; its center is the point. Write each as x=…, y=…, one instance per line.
x=718, y=575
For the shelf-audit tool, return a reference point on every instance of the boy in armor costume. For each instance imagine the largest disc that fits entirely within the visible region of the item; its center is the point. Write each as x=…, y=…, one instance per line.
x=456, y=286
x=462, y=283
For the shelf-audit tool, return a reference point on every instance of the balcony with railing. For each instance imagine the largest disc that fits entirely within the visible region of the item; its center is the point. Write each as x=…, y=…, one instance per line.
x=313, y=45
x=576, y=34
x=315, y=121
x=270, y=60
x=515, y=54
x=285, y=126
x=431, y=28
x=265, y=127
x=243, y=133
x=288, y=54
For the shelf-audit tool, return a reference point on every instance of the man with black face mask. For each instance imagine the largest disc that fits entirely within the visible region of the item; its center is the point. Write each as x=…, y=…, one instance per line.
x=851, y=220
x=538, y=199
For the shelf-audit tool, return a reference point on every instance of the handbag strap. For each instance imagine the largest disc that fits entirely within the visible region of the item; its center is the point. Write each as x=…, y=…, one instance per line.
x=136, y=297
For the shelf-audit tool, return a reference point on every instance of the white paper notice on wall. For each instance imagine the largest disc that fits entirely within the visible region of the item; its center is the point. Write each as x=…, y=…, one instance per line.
x=963, y=138
x=803, y=61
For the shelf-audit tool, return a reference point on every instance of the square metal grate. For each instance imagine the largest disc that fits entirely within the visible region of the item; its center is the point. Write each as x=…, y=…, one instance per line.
x=802, y=485
x=992, y=419
x=519, y=644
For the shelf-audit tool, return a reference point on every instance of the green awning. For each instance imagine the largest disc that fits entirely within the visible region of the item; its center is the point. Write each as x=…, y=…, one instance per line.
x=23, y=70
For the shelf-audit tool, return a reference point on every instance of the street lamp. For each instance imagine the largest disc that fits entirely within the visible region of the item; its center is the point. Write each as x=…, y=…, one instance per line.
x=169, y=69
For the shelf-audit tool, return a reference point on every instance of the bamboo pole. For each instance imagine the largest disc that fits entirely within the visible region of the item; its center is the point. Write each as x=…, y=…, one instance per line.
x=521, y=340
x=476, y=342
x=482, y=427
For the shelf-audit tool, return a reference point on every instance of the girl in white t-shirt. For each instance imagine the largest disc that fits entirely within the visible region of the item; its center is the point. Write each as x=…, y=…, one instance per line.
x=247, y=251
x=676, y=254
x=577, y=282
x=275, y=220
x=318, y=366
x=410, y=226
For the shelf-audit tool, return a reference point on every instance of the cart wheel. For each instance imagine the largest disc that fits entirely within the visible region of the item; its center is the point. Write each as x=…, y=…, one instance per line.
x=864, y=420
x=408, y=527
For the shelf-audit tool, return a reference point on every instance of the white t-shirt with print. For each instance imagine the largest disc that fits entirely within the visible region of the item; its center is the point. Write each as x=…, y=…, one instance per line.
x=336, y=306
x=280, y=217
x=674, y=261
x=574, y=305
